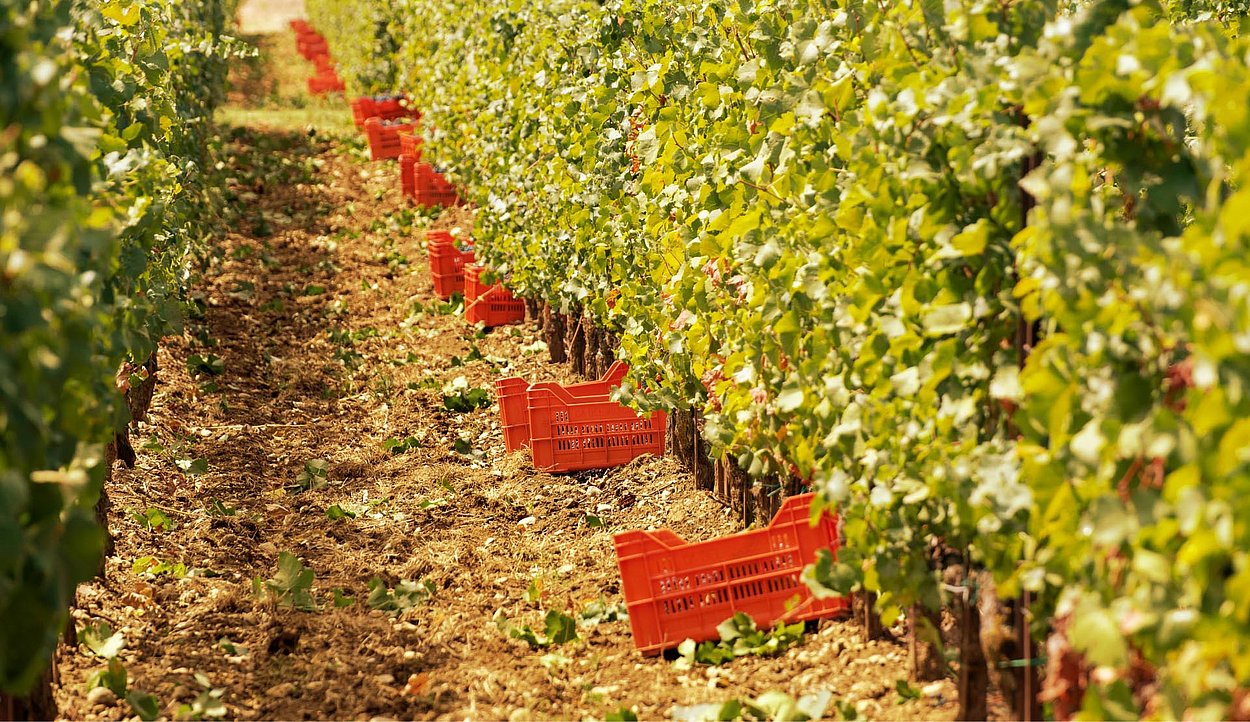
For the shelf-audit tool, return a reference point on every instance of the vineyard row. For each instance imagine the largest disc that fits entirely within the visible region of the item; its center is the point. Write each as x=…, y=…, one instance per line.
x=976, y=272
x=107, y=190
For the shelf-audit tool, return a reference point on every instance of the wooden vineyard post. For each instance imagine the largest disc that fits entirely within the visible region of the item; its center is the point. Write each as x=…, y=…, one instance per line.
x=592, y=333
x=685, y=438
x=535, y=312
x=1025, y=701
x=732, y=486
x=973, y=670
x=862, y=604
x=927, y=663
x=575, y=342
x=1028, y=706
x=681, y=436
x=676, y=442
x=758, y=498
x=704, y=473
x=609, y=344
x=741, y=486
x=771, y=491
x=720, y=483
x=553, y=331
x=104, y=506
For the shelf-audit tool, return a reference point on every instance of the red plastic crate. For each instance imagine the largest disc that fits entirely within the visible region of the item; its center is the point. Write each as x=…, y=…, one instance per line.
x=384, y=137
x=407, y=182
x=321, y=84
x=571, y=433
x=299, y=25
x=425, y=178
x=362, y=110
x=514, y=412
x=311, y=45
x=324, y=65
x=409, y=156
x=489, y=305
x=386, y=107
x=676, y=590
x=514, y=403
x=447, y=263
x=431, y=199
x=410, y=145
x=429, y=187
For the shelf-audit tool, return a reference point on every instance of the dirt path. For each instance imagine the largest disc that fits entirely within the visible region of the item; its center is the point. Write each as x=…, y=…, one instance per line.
x=319, y=345
x=268, y=16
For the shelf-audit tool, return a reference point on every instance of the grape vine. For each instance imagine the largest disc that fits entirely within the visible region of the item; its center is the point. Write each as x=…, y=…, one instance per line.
x=106, y=127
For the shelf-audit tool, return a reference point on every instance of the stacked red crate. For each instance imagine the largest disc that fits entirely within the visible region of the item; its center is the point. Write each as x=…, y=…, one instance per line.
x=409, y=156
x=430, y=188
x=447, y=263
x=313, y=46
x=384, y=135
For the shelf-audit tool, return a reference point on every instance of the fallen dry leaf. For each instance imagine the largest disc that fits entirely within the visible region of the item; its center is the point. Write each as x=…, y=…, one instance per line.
x=417, y=683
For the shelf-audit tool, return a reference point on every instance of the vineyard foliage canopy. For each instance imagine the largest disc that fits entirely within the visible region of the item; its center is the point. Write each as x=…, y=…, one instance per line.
x=106, y=192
